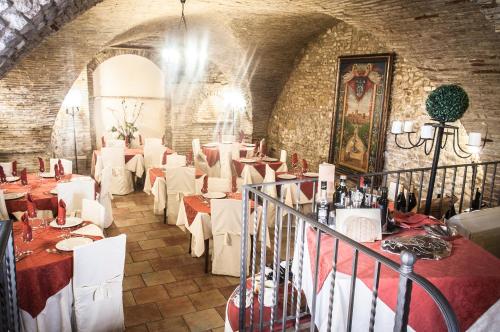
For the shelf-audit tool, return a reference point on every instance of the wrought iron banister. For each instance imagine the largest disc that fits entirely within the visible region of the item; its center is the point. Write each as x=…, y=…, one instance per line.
x=9, y=312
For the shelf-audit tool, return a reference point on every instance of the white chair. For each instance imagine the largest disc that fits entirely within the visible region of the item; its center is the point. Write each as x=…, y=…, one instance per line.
x=115, y=143
x=271, y=191
x=97, y=285
x=175, y=160
x=196, y=147
x=93, y=211
x=225, y=160
x=105, y=196
x=67, y=164
x=219, y=184
x=262, y=146
x=235, y=150
x=4, y=214
x=283, y=156
x=122, y=182
x=180, y=182
x=153, y=155
x=226, y=229
x=152, y=142
x=7, y=168
x=228, y=138
x=73, y=193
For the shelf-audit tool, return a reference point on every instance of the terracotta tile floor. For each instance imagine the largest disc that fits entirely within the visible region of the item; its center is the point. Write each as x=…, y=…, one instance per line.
x=165, y=289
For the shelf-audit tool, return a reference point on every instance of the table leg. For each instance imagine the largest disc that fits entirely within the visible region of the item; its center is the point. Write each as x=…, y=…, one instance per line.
x=207, y=254
x=190, y=242
x=165, y=215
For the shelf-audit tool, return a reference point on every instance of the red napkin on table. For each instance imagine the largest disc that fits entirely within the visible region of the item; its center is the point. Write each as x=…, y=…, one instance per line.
x=164, y=159
x=61, y=213
x=305, y=167
x=3, y=178
x=14, y=168
x=56, y=172
x=242, y=136
x=127, y=141
x=234, y=186
x=27, y=232
x=295, y=159
x=24, y=177
x=31, y=206
x=42, y=164
x=61, y=168
x=413, y=220
x=103, y=142
x=189, y=158
x=204, y=189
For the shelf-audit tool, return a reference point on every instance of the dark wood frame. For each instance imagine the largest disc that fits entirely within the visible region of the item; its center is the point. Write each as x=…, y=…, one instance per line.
x=378, y=165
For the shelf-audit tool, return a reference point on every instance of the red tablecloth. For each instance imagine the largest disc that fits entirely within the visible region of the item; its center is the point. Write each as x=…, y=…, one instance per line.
x=40, y=191
x=213, y=155
x=159, y=172
x=469, y=279
x=260, y=166
x=195, y=204
x=307, y=188
x=42, y=274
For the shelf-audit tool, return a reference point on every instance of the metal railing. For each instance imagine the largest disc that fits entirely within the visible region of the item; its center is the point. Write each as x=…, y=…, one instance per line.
x=9, y=312
x=288, y=310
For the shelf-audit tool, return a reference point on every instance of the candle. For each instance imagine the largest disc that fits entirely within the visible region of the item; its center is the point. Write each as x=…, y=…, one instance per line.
x=408, y=126
x=475, y=139
x=426, y=132
x=397, y=127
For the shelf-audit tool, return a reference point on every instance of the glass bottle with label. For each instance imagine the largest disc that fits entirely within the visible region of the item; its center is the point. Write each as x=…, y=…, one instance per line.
x=341, y=192
x=401, y=200
x=412, y=200
x=322, y=205
x=383, y=202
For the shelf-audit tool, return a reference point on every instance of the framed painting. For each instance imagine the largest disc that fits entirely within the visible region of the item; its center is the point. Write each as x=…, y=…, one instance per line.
x=359, y=121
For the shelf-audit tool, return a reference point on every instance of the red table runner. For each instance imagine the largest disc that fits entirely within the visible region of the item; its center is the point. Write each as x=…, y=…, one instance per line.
x=40, y=191
x=260, y=166
x=41, y=274
x=159, y=172
x=469, y=279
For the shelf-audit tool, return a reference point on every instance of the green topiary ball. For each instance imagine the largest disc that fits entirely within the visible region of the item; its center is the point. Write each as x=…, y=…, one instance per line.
x=447, y=103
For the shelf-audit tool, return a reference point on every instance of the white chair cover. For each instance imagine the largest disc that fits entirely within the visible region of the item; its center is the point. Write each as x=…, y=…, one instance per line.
x=67, y=164
x=219, y=184
x=73, y=193
x=283, y=156
x=225, y=159
x=118, y=143
x=235, y=150
x=196, y=146
x=97, y=285
x=152, y=141
x=228, y=138
x=93, y=211
x=271, y=191
x=122, y=181
x=153, y=155
x=7, y=168
x=175, y=160
x=262, y=144
x=4, y=214
x=226, y=229
x=106, y=196
x=180, y=182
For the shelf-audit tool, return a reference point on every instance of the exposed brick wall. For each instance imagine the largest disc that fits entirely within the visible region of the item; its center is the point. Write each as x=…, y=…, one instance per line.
x=301, y=120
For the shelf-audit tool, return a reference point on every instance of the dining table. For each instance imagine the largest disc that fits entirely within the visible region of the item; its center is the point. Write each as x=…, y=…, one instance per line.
x=43, y=278
x=469, y=278
x=253, y=170
x=41, y=190
x=212, y=153
x=134, y=162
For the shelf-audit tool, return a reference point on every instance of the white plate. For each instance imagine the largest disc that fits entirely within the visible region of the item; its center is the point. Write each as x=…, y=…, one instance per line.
x=211, y=145
x=70, y=222
x=214, y=195
x=247, y=160
x=72, y=243
x=287, y=176
x=53, y=191
x=47, y=174
x=9, y=196
x=269, y=159
x=12, y=178
x=311, y=174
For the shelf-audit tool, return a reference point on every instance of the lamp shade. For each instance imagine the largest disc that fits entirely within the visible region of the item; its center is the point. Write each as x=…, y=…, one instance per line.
x=447, y=103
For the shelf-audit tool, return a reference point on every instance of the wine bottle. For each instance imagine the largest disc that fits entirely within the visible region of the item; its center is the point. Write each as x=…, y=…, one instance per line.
x=341, y=192
x=451, y=211
x=322, y=205
x=476, y=203
x=383, y=202
x=401, y=200
x=412, y=200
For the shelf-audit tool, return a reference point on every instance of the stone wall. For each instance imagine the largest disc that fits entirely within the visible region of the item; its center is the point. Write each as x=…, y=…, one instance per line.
x=301, y=121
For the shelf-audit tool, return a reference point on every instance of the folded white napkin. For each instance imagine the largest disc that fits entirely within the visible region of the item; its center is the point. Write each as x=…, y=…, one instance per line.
x=89, y=230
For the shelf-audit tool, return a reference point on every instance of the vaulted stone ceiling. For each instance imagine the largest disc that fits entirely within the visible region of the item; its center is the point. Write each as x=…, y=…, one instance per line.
x=44, y=44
